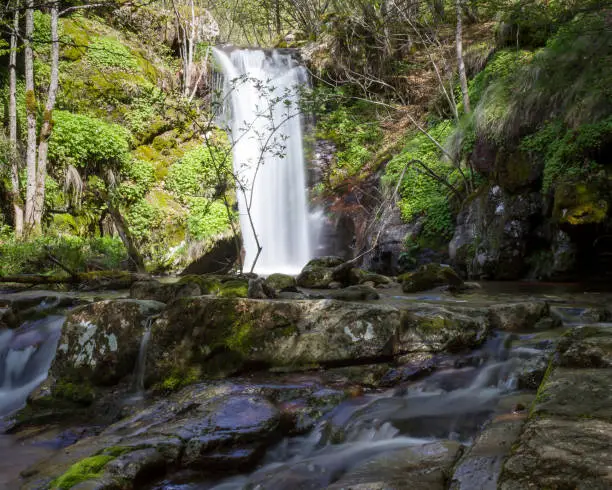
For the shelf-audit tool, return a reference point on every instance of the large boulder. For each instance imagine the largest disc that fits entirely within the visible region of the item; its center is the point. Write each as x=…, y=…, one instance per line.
x=198, y=337
x=100, y=342
x=430, y=276
x=165, y=293
x=319, y=272
x=281, y=282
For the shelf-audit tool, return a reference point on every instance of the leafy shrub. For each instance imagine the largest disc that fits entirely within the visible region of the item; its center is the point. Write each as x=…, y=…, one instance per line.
x=84, y=141
x=195, y=175
x=143, y=218
x=19, y=257
x=108, y=52
x=421, y=195
x=141, y=177
x=569, y=154
x=206, y=218
x=354, y=134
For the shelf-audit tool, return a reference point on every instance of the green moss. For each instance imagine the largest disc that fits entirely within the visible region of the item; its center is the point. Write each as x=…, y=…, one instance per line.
x=239, y=339
x=208, y=284
x=179, y=378
x=579, y=204
x=81, y=392
x=116, y=451
x=541, y=394
x=86, y=469
x=236, y=288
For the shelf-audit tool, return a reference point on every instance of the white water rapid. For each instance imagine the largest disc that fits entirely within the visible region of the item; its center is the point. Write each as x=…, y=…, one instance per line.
x=260, y=95
x=25, y=358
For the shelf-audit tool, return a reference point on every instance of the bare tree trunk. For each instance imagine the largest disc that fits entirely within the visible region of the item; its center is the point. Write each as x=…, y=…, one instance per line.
x=460, y=62
x=30, y=221
x=15, y=191
x=47, y=125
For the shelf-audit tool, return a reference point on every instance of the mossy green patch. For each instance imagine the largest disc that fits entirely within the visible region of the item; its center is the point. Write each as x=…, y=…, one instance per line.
x=86, y=469
x=78, y=392
x=236, y=288
x=579, y=204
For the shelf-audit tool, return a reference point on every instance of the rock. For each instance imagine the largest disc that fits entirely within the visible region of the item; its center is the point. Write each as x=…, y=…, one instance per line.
x=523, y=316
x=205, y=336
x=577, y=393
x=256, y=290
x=281, y=283
x=8, y=319
x=291, y=296
x=560, y=453
x=320, y=272
x=100, y=342
x=481, y=465
x=164, y=293
x=415, y=468
x=354, y=293
x=220, y=259
x=326, y=262
x=493, y=233
x=531, y=372
x=414, y=367
x=430, y=276
x=335, y=285
x=376, y=279
x=139, y=465
x=586, y=347
x=234, y=419
x=432, y=328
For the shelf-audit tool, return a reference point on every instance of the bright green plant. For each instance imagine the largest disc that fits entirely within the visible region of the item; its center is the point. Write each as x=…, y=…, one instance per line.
x=421, y=195
x=87, y=142
x=198, y=173
x=207, y=218
x=108, y=52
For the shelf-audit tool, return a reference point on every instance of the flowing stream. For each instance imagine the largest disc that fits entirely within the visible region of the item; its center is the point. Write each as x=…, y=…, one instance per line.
x=25, y=358
x=261, y=105
x=450, y=404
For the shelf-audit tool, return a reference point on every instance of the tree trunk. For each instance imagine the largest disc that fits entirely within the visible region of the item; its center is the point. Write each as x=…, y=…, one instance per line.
x=126, y=237
x=30, y=221
x=47, y=125
x=14, y=156
x=462, y=75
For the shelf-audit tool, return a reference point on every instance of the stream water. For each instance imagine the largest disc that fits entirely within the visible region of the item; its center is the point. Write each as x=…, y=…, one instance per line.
x=450, y=404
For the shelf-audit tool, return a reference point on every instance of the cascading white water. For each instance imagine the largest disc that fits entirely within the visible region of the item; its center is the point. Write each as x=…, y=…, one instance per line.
x=26, y=355
x=261, y=98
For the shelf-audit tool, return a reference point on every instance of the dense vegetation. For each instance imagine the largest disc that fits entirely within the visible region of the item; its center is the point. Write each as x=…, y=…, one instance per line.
x=133, y=153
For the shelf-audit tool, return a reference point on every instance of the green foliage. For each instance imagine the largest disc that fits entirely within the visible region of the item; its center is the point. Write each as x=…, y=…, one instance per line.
x=86, y=469
x=199, y=172
x=421, y=195
x=108, y=52
x=19, y=257
x=355, y=131
x=87, y=142
x=143, y=218
x=569, y=154
x=141, y=175
x=206, y=218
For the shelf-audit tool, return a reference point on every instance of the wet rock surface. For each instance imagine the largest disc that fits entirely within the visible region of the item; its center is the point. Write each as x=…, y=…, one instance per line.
x=99, y=342
x=566, y=442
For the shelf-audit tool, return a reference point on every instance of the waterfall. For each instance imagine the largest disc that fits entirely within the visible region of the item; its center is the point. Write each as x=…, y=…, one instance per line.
x=261, y=105
x=26, y=355
x=141, y=362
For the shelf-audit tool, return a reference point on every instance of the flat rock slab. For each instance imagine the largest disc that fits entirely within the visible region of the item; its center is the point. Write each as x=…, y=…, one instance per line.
x=564, y=454
x=481, y=466
x=576, y=393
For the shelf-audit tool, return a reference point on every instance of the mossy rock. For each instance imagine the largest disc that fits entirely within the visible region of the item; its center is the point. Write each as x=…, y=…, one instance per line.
x=429, y=276
x=86, y=469
x=235, y=288
x=208, y=284
x=281, y=282
x=328, y=261
x=516, y=171
x=580, y=204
